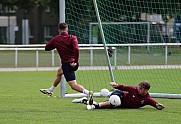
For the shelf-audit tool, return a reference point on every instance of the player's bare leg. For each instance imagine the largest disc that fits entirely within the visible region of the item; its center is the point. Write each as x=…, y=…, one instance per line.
x=104, y=104
x=75, y=86
x=100, y=105
x=58, y=77
x=55, y=83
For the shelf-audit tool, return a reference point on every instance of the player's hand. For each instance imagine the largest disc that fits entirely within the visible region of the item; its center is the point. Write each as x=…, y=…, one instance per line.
x=159, y=106
x=73, y=64
x=113, y=84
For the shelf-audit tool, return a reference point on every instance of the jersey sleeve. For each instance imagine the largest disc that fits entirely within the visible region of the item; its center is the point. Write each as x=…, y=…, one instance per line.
x=50, y=45
x=151, y=102
x=125, y=88
x=76, y=49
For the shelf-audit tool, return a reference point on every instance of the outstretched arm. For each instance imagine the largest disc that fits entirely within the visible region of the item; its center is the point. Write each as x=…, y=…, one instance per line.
x=154, y=103
x=50, y=45
x=159, y=106
x=121, y=86
x=113, y=84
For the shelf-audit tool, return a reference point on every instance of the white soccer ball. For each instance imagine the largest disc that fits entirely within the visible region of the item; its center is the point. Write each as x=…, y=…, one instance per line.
x=104, y=92
x=115, y=100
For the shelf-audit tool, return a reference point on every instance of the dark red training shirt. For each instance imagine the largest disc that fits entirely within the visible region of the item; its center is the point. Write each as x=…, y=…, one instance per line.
x=133, y=100
x=66, y=45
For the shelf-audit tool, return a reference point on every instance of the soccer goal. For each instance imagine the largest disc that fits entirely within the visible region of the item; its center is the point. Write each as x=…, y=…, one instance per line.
x=119, y=28
x=142, y=35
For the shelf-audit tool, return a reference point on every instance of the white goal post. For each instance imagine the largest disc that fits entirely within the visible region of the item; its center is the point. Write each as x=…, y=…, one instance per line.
x=147, y=42
x=157, y=95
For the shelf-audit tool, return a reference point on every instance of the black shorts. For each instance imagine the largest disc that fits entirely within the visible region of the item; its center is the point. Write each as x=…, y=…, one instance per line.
x=119, y=93
x=69, y=71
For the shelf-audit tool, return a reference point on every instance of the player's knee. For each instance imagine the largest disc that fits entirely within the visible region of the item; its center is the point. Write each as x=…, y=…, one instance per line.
x=73, y=88
x=119, y=93
x=73, y=85
x=115, y=100
x=60, y=72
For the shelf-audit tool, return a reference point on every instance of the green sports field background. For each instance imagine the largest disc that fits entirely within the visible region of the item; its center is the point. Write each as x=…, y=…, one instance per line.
x=22, y=103
x=161, y=80
x=139, y=56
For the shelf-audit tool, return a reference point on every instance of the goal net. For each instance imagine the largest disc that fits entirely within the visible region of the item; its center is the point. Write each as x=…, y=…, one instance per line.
x=127, y=41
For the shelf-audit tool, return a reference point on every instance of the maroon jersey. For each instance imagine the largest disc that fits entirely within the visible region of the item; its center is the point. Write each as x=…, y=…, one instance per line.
x=132, y=99
x=66, y=45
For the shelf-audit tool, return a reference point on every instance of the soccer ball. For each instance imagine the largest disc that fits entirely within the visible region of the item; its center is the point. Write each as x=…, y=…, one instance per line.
x=104, y=92
x=115, y=100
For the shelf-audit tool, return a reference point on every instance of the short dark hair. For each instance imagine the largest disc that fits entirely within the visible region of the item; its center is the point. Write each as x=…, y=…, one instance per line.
x=62, y=26
x=144, y=85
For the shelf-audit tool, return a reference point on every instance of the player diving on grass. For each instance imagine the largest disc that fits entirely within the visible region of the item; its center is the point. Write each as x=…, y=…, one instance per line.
x=127, y=97
x=68, y=50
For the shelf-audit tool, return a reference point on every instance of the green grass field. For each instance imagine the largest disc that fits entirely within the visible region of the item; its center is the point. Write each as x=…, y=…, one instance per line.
x=22, y=103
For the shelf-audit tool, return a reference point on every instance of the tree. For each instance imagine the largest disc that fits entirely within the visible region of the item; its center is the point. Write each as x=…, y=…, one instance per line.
x=28, y=5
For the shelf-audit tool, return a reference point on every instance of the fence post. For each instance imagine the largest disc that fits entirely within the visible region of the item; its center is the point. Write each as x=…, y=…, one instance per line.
x=16, y=57
x=53, y=58
x=166, y=54
x=129, y=54
x=91, y=56
x=37, y=57
x=115, y=57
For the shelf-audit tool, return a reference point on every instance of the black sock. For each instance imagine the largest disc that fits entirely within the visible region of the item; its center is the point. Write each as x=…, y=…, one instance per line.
x=84, y=101
x=97, y=106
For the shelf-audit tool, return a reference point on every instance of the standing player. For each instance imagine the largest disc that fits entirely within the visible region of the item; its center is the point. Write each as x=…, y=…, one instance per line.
x=67, y=47
x=128, y=97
